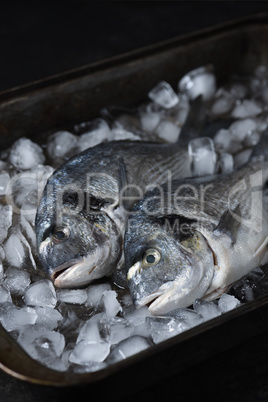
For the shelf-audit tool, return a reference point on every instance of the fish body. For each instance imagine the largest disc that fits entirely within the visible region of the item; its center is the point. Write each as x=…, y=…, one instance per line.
x=81, y=216
x=192, y=238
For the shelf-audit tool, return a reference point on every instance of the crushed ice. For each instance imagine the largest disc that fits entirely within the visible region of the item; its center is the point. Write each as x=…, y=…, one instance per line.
x=84, y=330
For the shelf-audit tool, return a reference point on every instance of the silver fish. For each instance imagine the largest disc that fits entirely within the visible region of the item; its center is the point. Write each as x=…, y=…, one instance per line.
x=81, y=217
x=193, y=238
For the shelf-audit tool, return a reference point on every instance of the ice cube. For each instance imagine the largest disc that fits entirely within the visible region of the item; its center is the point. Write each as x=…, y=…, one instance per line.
x=225, y=142
x=14, y=318
x=223, y=139
x=200, y=81
x=188, y=317
x=42, y=344
x=26, y=188
x=137, y=320
x=23, y=191
x=61, y=145
x=180, y=113
x=250, y=286
x=29, y=213
x=227, y=303
x=87, y=352
x=72, y=296
x=168, y=130
x=40, y=176
x=89, y=126
x=252, y=139
x=138, y=316
x=4, y=165
x=226, y=163
x=246, y=292
x=239, y=91
x=70, y=323
x=222, y=104
x=119, y=133
x=55, y=363
x=89, y=367
x=207, y=310
x=149, y=119
x=4, y=294
x=202, y=153
x=162, y=328
x=1, y=271
x=4, y=180
x=128, y=347
x=16, y=280
x=95, y=292
x=90, y=331
x=163, y=95
x=2, y=254
x=26, y=243
x=25, y=154
x=41, y=293
x=246, y=108
x=110, y=303
x=47, y=317
x=119, y=329
x=14, y=251
x=98, y=131
x=242, y=157
x=5, y=221
x=240, y=129
x=28, y=229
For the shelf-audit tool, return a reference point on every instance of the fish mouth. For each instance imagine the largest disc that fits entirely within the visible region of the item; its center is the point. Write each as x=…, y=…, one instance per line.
x=142, y=297
x=153, y=299
x=73, y=273
x=82, y=270
x=64, y=271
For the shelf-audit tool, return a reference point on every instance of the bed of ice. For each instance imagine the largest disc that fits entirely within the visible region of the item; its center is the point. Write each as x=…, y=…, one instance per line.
x=83, y=330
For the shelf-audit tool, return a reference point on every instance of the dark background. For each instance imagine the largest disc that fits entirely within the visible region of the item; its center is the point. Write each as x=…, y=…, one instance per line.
x=40, y=39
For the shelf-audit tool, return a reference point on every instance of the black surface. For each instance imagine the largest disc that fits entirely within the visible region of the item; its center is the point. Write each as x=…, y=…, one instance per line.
x=38, y=39
x=42, y=39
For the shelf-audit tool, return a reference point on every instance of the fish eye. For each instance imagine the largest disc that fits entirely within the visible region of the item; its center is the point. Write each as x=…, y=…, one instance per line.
x=61, y=233
x=151, y=257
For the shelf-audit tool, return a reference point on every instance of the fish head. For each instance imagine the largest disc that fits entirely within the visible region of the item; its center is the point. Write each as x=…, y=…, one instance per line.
x=76, y=247
x=165, y=270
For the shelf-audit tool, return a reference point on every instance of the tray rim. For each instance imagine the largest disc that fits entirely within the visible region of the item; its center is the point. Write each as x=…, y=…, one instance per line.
x=65, y=379
x=132, y=55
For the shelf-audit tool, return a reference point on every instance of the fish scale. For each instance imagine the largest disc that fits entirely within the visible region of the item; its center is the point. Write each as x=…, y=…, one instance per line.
x=220, y=236
x=72, y=260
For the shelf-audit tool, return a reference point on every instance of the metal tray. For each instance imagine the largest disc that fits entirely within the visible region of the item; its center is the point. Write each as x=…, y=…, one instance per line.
x=78, y=95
